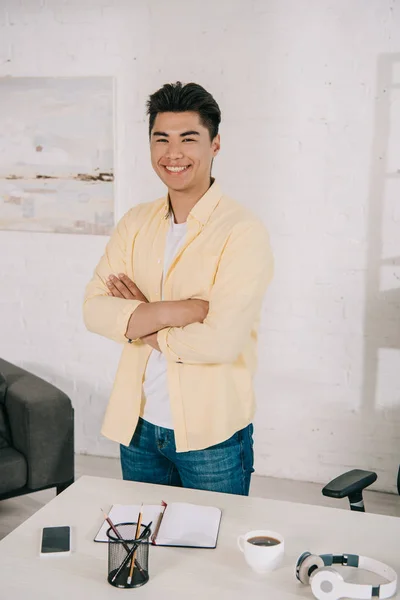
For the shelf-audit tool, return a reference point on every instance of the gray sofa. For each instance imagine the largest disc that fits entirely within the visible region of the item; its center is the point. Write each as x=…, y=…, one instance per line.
x=36, y=434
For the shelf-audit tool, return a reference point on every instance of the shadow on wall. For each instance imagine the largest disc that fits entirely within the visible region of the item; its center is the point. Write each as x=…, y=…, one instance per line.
x=381, y=360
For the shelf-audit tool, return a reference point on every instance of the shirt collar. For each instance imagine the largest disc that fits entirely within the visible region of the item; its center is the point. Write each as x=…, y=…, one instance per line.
x=203, y=209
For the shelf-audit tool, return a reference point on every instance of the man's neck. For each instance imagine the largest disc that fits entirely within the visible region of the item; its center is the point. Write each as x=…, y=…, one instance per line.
x=183, y=202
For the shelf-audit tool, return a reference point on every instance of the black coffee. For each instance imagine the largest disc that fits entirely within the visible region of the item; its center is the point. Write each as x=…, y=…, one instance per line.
x=263, y=540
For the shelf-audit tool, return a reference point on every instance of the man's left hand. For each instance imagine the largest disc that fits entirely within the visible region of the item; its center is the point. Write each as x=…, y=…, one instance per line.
x=151, y=340
x=121, y=286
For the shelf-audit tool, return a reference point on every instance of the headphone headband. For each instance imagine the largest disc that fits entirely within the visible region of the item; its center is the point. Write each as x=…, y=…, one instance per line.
x=327, y=584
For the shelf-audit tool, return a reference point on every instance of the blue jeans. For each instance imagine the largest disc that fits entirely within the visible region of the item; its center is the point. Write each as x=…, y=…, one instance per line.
x=151, y=457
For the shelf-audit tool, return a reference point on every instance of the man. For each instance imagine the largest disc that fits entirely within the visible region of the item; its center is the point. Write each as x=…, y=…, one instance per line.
x=181, y=285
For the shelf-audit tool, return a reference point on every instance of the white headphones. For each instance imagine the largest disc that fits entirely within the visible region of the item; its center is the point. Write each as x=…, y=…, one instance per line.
x=327, y=584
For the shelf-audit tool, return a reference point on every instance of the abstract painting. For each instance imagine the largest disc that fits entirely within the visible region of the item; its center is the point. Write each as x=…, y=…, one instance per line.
x=56, y=154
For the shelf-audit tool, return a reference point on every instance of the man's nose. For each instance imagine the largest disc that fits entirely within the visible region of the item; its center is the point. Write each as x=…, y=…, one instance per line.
x=174, y=151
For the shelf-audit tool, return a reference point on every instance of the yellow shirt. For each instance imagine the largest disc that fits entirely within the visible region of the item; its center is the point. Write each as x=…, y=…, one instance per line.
x=226, y=259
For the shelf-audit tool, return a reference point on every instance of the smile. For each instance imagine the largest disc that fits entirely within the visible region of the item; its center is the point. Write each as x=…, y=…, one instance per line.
x=176, y=169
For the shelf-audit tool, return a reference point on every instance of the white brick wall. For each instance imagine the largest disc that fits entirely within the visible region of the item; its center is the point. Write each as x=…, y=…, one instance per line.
x=310, y=128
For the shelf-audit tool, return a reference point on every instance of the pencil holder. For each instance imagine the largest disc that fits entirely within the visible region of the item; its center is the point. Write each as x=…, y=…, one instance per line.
x=128, y=558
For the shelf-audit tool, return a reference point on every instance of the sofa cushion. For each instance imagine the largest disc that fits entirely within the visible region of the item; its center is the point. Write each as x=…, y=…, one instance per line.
x=13, y=470
x=5, y=434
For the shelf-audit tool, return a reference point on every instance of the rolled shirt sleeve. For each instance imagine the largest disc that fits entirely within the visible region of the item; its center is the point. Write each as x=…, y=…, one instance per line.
x=104, y=314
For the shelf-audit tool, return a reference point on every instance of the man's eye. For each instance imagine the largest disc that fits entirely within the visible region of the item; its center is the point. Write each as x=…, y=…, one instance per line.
x=188, y=140
x=161, y=140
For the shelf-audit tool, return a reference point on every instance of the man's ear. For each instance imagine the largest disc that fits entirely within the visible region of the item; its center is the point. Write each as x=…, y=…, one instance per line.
x=216, y=145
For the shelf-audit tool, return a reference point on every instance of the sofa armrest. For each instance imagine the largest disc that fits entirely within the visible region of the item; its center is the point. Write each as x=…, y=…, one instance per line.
x=41, y=419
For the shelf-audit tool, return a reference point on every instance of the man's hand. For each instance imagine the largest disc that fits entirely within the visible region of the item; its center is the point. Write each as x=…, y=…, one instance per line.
x=150, y=317
x=122, y=286
x=151, y=340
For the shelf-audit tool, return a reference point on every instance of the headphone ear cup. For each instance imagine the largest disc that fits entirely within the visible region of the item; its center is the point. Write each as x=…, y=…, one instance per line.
x=300, y=562
x=306, y=565
x=327, y=584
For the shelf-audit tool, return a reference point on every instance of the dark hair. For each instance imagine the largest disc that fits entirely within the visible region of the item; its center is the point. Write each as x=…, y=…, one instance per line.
x=175, y=97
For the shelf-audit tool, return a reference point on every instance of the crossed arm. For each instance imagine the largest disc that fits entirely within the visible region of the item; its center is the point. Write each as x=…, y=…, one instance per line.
x=117, y=309
x=151, y=317
x=188, y=331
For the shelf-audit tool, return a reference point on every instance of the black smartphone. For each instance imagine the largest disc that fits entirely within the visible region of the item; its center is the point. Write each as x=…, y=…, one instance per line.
x=56, y=540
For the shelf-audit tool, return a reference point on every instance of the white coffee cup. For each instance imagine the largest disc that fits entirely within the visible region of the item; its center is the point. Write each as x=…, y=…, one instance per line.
x=262, y=558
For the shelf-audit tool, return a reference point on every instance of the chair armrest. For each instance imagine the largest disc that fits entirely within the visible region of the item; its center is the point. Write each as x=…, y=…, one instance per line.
x=41, y=419
x=347, y=484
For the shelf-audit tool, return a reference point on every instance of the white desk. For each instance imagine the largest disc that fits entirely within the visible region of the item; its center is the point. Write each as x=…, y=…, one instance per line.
x=183, y=574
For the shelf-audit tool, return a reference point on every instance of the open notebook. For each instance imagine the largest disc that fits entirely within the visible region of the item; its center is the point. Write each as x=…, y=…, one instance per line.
x=182, y=524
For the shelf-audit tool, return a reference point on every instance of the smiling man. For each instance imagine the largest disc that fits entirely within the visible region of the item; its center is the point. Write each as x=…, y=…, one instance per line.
x=181, y=286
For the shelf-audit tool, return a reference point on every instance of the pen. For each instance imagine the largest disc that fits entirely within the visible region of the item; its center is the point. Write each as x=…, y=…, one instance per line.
x=115, y=530
x=155, y=533
x=138, y=526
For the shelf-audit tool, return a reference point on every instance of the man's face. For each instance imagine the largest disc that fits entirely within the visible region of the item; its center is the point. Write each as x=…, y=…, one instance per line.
x=181, y=150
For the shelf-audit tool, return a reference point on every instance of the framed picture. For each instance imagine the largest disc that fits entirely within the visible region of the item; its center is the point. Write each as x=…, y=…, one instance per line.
x=56, y=154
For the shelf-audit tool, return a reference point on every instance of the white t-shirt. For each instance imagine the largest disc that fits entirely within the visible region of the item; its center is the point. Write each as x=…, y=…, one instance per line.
x=157, y=408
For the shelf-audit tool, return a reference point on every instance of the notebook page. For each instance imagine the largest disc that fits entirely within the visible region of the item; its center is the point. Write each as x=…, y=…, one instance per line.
x=121, y=513
x=189, y=525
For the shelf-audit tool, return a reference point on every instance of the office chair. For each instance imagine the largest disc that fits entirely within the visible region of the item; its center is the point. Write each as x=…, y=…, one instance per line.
x=351, y=485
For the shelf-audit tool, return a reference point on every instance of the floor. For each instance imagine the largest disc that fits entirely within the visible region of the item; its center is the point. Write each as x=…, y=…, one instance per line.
x=16, y=510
